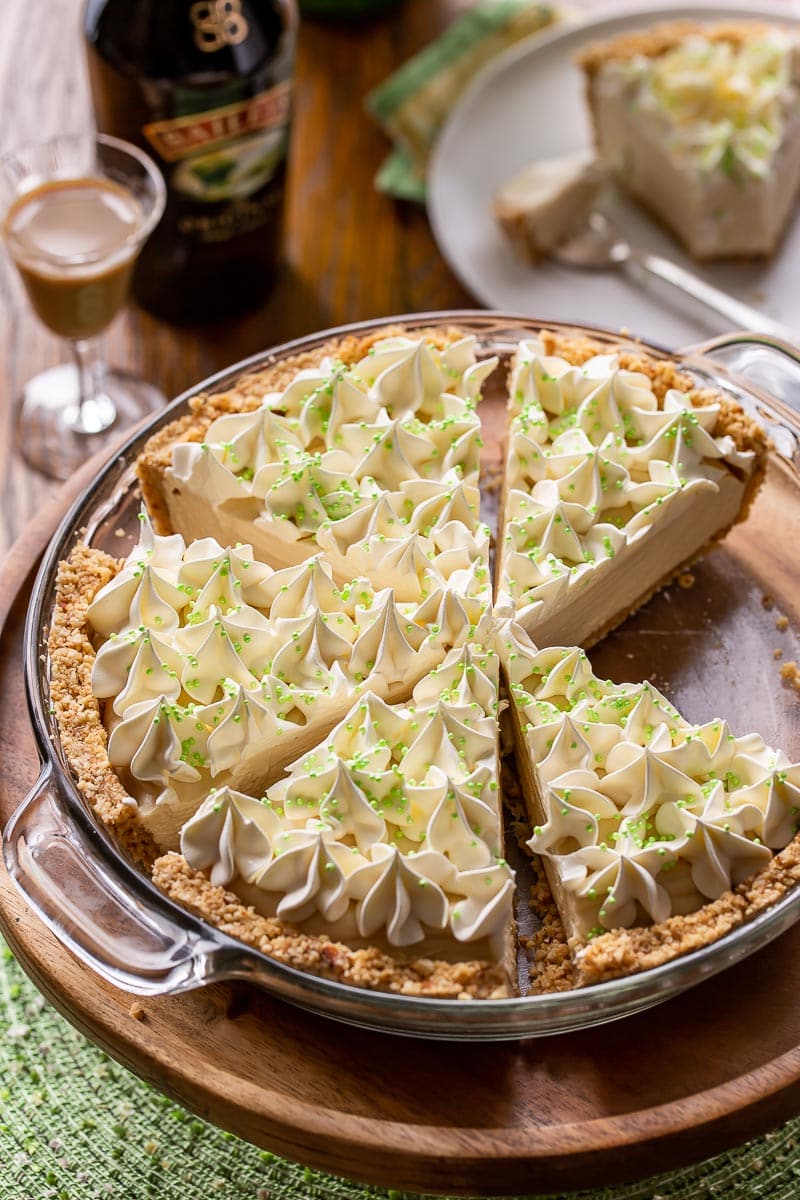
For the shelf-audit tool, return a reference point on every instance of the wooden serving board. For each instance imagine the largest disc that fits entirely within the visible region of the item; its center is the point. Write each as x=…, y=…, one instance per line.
x=646, y=1094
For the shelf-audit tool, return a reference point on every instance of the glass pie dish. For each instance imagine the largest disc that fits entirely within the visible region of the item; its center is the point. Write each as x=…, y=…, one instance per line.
x=711, y=645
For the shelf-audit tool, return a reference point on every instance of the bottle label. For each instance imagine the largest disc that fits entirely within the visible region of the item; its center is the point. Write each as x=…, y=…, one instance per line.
x=225, y=153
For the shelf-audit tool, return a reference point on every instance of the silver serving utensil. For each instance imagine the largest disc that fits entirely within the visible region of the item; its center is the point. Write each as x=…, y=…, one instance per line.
x=598, y=246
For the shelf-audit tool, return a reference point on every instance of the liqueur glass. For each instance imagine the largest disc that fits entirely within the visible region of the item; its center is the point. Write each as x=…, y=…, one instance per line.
x=75, y=262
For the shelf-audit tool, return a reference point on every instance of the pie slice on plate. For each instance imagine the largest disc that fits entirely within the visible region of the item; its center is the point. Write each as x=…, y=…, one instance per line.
x=619, y=470
x=657, y=836
x=701, y=124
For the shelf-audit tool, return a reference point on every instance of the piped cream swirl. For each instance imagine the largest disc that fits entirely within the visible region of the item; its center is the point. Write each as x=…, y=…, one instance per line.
x=356, y=460
x=719, y=105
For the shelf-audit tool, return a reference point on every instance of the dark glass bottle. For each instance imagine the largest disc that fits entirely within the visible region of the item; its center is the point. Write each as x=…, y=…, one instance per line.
x=204, y=86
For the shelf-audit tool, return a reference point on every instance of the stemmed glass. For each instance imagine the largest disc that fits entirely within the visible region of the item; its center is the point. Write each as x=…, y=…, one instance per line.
x=76, y=210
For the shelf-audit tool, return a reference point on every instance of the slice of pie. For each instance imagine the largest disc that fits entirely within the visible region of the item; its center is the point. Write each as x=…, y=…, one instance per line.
x=619, y=470
x=209, y=668
x=701, y=124
x=657, y=836
x=387, y=835
x=367, y=451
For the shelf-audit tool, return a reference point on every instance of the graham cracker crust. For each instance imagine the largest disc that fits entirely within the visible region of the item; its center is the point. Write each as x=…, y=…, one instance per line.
x=364, y=968
x=630, y=951
x=83, y=735
x=550, y=964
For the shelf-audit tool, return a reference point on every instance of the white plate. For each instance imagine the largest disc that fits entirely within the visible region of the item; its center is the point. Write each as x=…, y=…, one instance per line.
x=528, y=104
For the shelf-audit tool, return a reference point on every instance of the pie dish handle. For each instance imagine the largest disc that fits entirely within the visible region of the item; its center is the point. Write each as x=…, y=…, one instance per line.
x=117, y=929
x=766, y=365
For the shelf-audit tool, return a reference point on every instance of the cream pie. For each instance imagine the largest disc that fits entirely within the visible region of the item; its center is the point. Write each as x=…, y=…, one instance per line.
x=619, y=470
x=653, y=831
x=701, y=124
x=301, y=744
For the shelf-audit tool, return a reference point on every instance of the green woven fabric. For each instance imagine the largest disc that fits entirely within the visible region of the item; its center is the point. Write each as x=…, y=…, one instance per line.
x=415, y=100
x=76, y=1126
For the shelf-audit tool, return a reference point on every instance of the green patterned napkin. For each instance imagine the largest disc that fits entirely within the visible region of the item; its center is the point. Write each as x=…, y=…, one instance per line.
x=74, y=1125
x=413, y=103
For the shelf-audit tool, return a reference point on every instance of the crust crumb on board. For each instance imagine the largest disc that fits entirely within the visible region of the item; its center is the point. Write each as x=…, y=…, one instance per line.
x=767, y=602
x=492, y=479
x=782, y=623
x=790, y=673
x=777, y=652
x=686, y=579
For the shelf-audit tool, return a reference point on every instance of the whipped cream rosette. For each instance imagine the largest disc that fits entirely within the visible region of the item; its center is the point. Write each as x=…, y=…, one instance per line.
x=638, y=814
x=387, y=832
x=374, y=461
x=606, y=485
x=215, y=668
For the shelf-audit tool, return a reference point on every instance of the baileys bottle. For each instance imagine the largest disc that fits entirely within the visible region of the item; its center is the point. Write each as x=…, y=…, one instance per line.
x=205, y=87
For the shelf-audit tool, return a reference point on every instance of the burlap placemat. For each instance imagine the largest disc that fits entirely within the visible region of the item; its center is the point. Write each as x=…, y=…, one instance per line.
x=74, y=1125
